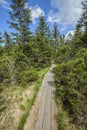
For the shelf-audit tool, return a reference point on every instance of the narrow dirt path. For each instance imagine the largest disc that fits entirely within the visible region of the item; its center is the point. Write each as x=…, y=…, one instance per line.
x=42, y=115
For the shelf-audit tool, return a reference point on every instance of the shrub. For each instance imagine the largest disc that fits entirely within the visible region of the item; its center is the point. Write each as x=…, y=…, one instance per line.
x=63, y=54
x=4, y=70
x=26, y=76
x=71, y=88
x=30, y=75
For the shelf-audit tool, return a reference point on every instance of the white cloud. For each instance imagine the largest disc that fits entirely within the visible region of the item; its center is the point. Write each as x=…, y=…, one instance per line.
x=2, y=2
x=36, y=11
x=70, y=35
x=53, y=17
x=26, y=5
x=5, y=4
x=68, y=12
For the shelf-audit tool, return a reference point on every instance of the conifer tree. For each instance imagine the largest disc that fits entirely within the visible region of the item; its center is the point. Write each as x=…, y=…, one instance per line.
x=42, y=29
x=8, y=42
x=21, y=19
x=83, y=22
x=42, y=39
x=1, y=48
x=77, y=31
x=62, y=39
x=1, y=40
x=56, y=36
x=76, y=41
x=83, y=19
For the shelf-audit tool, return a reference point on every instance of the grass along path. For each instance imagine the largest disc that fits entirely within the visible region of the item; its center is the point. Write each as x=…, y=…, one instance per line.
x=30, y=102
x=15, y=102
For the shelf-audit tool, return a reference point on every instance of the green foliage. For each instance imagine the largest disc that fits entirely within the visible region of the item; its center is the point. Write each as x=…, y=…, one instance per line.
x=44, y=52
x=64, y=122
x=1, y=50
x=83, y=22
x=81, y=53
x=24, y=72
x=23, y=120
x=26, y=76
x=30, y=75
x=71, y=86
x=8, y=43
x=1, y=87
x=3, y=104
x=42, y=29
x=56, y=37
x=23, y=54
x=77, y=41
x=71, y=74
x=4, y=70
x=63, y=54
x=21, y=60
x=55, y=32
x=23, y=57
x=31, y=51
x=21, y=19
x=22, y=107
x=1, y=40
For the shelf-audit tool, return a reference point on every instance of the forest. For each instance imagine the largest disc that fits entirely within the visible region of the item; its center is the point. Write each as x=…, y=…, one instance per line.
x=25, y=54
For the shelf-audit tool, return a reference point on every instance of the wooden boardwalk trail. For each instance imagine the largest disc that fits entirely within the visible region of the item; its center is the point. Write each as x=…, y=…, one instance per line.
x=46, y=109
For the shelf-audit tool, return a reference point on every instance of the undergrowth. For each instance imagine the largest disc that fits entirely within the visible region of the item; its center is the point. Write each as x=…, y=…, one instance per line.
x=64, y=121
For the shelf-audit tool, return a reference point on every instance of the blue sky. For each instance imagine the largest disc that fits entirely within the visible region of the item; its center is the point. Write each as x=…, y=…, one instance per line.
x=64, y=12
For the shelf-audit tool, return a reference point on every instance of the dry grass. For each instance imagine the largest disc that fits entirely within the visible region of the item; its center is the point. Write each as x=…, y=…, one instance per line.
x=13, y=98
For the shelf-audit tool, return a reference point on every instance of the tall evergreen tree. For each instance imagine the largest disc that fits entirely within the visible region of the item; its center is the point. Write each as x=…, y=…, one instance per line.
x=83, y=22
x=56, y=36
x=76, y=42
x=83, y=19
x=42, y=29
x=1, y=48
x=8, y=42
x=21, y=18
x=42, y=40
x=62, y=39
x=77, y=31
x=1, y=40
x=55, y=32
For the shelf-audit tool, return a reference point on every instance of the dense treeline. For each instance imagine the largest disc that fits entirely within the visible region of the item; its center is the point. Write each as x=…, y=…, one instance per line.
x=23, y=53
x=71, y=73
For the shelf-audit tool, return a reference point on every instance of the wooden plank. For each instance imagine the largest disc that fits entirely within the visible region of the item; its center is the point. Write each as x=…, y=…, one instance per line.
x=42, y=107
x=46, y=115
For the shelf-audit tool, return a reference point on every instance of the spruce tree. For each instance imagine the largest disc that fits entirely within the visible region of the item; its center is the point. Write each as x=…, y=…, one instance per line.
x=1, y=48
x=42, y=29
x=21, y=19
x=1, y=40
x=83, y=22
x=42, y=40
x=76, y=41
x=62, y=39
x=83, y=19
x=77, y=31
x=8, y=42
x=56, y=36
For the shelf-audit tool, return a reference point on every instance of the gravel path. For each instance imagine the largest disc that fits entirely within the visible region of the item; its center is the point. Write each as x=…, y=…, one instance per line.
x=42, y=115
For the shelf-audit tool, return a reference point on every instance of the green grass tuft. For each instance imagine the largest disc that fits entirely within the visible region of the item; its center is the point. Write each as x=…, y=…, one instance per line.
x=22, y=107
